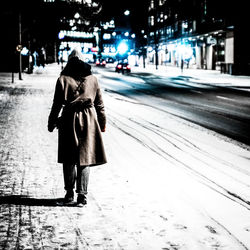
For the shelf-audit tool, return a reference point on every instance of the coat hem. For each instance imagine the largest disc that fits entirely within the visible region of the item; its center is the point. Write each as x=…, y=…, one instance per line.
x=90, y=164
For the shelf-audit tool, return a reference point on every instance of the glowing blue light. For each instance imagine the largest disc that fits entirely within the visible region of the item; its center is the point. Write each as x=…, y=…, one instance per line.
x=122, y=48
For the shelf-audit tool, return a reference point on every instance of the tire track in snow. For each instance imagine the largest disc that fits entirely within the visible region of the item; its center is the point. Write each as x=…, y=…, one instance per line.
x=205, y=153
x=162, y=130
x=205, y=181
x=163, y=133
x=123, y=127
x=230, y=234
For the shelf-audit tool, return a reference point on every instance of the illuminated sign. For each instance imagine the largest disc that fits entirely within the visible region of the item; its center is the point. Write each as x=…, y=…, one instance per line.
x=77, y=34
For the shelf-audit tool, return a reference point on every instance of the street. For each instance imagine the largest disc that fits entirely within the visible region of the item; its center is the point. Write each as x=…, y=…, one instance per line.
x=177, y=176
x=218, y=108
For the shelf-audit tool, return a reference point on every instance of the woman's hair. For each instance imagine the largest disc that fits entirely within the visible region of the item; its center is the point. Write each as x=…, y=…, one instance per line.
x=76, y=69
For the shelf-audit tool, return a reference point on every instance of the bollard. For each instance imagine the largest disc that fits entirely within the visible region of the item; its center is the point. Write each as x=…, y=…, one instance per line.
x=12, y=77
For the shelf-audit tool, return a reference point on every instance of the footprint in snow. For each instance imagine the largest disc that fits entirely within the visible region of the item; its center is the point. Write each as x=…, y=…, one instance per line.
x=211, y=229
x=180, y=226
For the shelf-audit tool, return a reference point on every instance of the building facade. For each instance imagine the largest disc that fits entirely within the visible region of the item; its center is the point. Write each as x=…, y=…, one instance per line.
x=197, y=33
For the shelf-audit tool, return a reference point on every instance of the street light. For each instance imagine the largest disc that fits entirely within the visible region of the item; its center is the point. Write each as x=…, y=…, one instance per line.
x=77, y=15
x=126, y=12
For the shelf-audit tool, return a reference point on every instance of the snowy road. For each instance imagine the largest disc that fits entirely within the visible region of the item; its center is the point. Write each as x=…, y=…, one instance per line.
x=169, y=183
x=218, y=107
x=179, y=168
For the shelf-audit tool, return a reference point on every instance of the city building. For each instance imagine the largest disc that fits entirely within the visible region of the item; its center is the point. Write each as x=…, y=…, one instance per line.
x=200, y=34
x=45, y=29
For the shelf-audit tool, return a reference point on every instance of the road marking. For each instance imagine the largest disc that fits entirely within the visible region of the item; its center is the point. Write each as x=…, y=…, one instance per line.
x=222, y=97
x=196, y=91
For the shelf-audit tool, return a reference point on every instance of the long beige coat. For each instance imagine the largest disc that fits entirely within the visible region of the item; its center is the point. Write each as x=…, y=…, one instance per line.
x=81, y=122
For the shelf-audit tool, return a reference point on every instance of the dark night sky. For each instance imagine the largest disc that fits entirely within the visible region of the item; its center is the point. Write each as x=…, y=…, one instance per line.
x=138, y=10
x=112, y=6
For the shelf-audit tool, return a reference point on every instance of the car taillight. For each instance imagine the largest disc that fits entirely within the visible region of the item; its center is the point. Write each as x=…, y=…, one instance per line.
x=119, y=66
x=128, y=67
x=104, y=62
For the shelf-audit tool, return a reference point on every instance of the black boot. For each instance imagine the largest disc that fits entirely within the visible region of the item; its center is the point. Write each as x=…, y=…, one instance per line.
x=81, y=200
x=69, y=197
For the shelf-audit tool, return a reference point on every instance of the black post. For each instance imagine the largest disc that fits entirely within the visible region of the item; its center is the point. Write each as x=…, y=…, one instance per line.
x=156, y=39
x=156, y=48
x=156, y=56
x=20, y=42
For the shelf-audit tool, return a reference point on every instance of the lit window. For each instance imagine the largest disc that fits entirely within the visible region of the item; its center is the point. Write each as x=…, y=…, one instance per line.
x=152, y=20
x=161, y=2
x=152, y=4
x=106, y=36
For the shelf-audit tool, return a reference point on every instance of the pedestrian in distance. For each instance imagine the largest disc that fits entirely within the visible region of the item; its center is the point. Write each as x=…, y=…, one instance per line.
x=78, y=113
x=182, y=64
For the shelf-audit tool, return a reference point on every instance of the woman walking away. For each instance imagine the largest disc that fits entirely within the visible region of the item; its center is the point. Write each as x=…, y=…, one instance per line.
x=79, y=100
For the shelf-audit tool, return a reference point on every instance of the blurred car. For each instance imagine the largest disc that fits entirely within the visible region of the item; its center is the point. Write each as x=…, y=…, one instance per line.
x=123, y=67
x=100, y=62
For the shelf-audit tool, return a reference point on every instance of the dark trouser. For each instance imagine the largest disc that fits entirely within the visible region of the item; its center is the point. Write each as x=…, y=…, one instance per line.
x=81, y=177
